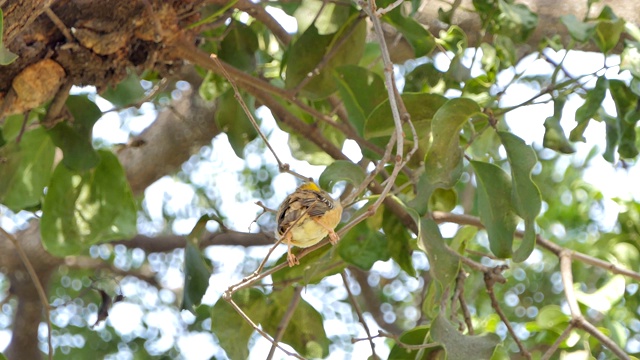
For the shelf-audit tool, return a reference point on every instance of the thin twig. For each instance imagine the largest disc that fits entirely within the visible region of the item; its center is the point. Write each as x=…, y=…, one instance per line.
x=462, y=219
x=255, y=86
x=482, y=254
x=604, y=340
x=556, y=344
x=265, y=210
x=23, y=127
x=259, y=330
x=390, y=7
x=265, y=18
x=328, y=56
x=160, y=86
x=372, y=301
x=392, y=92
x=566, y=256
x=396, y=339
x=414, y=135
x=490, y=280
x=36, y=283
x=560, y=66
x=57, y=104
x=86, y=262
x=371, y=175
x=567, y=281
x=576, y=314
x=590, y=260
x=356, y=306
x=284, y=322
x=462, y=276
x=282, y=166
x=59, y=24
x=472, y=264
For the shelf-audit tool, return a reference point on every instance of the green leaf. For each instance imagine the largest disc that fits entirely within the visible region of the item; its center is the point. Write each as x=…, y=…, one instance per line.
x=13, y=125
x=89, y=207
x=443, y=162
x=363, y=246
x=312, y=269
x=551, y=316
x=196, y=277
x=443, y=200
x=444, y=266
x=416, y=336
x=608, y=34
x=197, y=231
x=361, y=91
x=633, y=30
x=232, y=120
x=209, y=89
x=74, y=137
x=212, y=12
x=630, y=58
x=525, y=195
x=6, y=56
x=230, y=328
x=494, y=206
x=305, y=331
x=421, y=107
x=312, y=47
x=516, y=20
x=605, y=297
x=624, y=99
x=578, y=30
x=327, y=21
x=627, y=116
x=239, y=46
x=26, y=170
x=460, y=347
x=454, y=40
x=627, y=145
x=196, y=269
x=625, y=254
x=606, y=13
x=506, y=50
x=341, y=170
x=420, y=39
x=128, y=92
x=306, y=150
x=422, y=78
x=612, y=137
x=554, y=137
x=589, y=109
x=399, y=241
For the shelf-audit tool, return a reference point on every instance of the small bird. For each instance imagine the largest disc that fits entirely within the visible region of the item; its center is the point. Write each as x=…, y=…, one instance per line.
x=305, y=217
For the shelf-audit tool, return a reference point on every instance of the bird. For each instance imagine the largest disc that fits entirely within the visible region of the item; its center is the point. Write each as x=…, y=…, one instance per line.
x=305, y=217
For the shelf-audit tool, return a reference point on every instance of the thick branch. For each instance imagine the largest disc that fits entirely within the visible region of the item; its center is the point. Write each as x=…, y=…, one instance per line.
x=164, y=243
x=180, y=130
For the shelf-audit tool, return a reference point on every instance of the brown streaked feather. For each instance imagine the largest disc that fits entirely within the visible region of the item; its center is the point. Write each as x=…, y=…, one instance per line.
x=300, y=204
